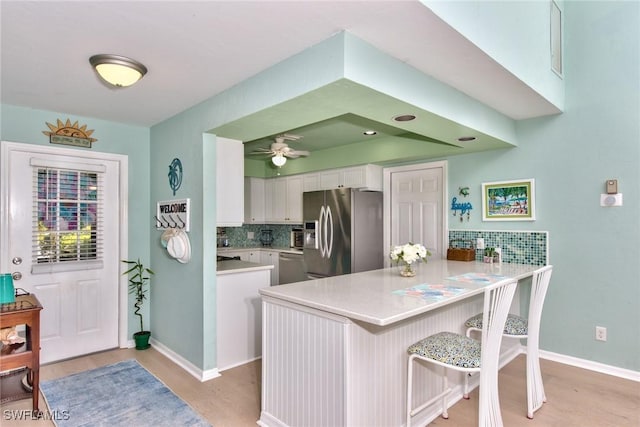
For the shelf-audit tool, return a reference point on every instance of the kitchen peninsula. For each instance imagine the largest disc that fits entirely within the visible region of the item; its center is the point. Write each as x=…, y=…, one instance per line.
x=239, y=312
x=334, y=349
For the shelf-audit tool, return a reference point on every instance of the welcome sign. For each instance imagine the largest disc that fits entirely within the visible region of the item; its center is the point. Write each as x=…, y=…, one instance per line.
x=173, y=214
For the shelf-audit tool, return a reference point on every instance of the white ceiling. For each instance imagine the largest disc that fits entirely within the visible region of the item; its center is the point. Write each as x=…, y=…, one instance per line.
x=195, y=50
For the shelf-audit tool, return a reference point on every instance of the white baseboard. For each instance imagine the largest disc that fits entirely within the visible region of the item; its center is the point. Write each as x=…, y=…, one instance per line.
x=198, y=373
x=504, y=359
x=591, y=366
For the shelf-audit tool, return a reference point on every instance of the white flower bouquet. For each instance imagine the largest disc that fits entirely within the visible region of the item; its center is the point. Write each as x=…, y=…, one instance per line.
x=408, y=254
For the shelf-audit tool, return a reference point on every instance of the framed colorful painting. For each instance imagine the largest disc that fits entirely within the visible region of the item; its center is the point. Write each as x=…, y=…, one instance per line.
x=508, y=200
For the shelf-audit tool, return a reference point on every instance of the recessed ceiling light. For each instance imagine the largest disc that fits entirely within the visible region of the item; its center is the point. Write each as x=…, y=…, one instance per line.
x=370, y=132
x=466, y=138
x=404, y=118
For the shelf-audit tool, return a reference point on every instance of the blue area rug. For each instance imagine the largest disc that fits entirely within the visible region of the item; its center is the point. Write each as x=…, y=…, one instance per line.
x=122, y=394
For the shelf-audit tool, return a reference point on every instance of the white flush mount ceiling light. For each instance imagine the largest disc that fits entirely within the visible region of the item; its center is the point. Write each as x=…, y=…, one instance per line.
x=279, y=160
x=118, y=71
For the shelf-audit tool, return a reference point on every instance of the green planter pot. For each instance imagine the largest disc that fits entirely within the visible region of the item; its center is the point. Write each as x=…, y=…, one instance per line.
x=142, y=340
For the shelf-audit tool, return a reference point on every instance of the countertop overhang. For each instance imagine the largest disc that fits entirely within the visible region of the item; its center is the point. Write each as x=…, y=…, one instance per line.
x=238, y=266
x=369, y=297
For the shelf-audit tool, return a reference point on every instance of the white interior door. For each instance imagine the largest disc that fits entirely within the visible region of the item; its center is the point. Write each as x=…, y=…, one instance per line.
x=62, y=237
x=414, y=202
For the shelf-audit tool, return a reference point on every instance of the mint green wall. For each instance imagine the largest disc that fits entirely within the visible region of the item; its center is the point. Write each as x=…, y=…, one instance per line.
x=183, y=310
x=21, y=124
x=569, y=155
x=525, y=52
x=594, y=250
x=369, y=67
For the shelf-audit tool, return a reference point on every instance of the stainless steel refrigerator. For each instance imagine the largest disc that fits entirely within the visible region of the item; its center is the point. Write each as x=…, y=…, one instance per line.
x=342, y=231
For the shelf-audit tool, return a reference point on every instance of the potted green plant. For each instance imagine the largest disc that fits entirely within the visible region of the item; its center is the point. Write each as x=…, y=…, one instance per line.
x=139, y=277
x=489, y=254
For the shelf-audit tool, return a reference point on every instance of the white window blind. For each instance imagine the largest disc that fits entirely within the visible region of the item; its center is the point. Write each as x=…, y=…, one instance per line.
x=68, y=213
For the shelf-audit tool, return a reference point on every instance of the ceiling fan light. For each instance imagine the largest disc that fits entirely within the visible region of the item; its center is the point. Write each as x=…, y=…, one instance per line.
x=118, y=71
x=279, y=160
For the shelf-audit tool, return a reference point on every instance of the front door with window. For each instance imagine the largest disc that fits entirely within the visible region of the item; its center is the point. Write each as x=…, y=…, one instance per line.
x=61, y=237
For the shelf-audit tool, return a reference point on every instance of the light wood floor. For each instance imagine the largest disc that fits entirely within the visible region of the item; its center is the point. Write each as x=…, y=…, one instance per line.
x=576, y=397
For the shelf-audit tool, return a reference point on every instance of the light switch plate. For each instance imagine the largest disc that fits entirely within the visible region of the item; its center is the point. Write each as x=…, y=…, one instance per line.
x=609, y=200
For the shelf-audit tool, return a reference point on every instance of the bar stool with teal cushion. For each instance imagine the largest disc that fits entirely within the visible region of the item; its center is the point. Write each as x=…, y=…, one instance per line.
x=521, y=328
x=458, y=352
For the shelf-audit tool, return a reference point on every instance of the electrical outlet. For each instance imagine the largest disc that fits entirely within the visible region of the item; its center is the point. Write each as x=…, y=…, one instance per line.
x=250, y=235
x=601, y=333
x=480, y=243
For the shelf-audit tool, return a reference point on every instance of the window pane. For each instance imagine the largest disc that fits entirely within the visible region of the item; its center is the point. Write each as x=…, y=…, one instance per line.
x=88, y=186
x=68, y=216
x=68, y=246
x=66, y=211
x=68, y=185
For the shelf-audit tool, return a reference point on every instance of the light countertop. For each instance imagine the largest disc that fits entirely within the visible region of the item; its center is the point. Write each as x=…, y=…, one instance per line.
x=237, y=266
x=369, y=297
x=231, y=249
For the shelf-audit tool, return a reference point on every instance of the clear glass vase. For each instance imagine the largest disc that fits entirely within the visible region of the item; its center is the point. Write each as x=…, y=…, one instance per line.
x=407, y=270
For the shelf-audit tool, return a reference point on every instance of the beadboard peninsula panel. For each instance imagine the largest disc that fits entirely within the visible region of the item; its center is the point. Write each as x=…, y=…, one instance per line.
x=321, y=369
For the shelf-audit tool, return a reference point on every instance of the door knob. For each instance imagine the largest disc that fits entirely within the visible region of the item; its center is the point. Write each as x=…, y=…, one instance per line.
x=17, y=275
x=16, y=260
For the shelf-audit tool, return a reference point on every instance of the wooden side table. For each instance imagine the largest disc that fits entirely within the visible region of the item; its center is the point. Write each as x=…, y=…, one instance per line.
x=24, y=311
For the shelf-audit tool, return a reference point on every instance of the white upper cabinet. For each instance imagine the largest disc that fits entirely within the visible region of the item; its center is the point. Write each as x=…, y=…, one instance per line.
x=229, y=182
x=254, y=200
x=283, y=200
x=279, y=200
x=366, y=177
x=295, y=187
x=310, y=182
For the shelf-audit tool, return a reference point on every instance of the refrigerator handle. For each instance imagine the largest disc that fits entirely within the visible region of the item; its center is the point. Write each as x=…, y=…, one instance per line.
x=329, y=244
x=319, y=238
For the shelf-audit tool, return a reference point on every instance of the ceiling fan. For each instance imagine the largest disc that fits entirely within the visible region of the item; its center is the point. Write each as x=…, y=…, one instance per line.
x=280, y=150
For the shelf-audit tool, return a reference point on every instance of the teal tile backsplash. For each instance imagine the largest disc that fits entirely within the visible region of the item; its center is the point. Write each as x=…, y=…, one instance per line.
x=238, y=235
x=520, y=247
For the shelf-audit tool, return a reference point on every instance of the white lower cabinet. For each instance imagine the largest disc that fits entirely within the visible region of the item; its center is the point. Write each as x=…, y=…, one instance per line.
x=254, y=256
x=239, y=317
x=271, y=258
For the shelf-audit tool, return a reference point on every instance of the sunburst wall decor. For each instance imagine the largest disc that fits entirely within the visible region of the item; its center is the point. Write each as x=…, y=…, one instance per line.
x=70, y=134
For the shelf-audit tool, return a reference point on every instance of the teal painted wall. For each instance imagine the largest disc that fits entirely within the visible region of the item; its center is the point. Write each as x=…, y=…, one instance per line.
x=565, y=154
x=525, y=52
x=183, y=310
x=25, y=125
x=594, y=249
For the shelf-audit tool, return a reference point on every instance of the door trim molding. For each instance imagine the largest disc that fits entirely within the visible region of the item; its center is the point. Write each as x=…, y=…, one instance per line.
x=123, y=194
x=387, y=200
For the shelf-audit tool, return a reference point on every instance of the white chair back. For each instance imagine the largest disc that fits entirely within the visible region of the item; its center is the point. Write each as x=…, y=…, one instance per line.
x=539, y=286
x=497, y=301
x=535, y=387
